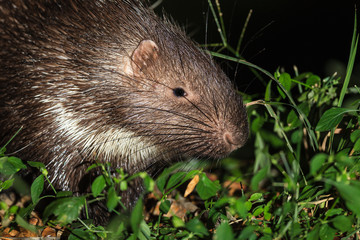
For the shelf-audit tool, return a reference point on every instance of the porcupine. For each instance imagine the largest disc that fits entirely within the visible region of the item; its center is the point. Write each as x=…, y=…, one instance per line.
x=109, y=81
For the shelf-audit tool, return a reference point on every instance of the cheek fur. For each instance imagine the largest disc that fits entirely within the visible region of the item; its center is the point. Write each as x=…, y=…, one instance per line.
x=108, y=142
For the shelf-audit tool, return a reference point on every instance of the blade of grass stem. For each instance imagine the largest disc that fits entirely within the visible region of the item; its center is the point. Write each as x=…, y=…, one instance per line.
x=243, y=32
x=353, y=48
x=223, y=38
x=273, y=115
x=352, y=55
x=221, y=19
x=17, y=132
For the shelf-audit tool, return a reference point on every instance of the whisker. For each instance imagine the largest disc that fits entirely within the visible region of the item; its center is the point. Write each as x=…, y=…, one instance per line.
x=168, y=111
x=172, y=126
x=202, y=112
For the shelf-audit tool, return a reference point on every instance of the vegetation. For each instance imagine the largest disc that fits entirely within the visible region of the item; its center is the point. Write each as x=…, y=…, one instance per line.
x=303, y=183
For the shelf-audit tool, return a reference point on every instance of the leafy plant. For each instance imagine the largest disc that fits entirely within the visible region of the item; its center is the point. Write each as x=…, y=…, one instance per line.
x=303, y=183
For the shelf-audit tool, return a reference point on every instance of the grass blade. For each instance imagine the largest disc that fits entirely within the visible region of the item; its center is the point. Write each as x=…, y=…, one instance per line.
x=354, y=43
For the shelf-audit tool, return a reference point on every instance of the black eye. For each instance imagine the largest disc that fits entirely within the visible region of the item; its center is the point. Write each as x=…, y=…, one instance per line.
x=179, y=92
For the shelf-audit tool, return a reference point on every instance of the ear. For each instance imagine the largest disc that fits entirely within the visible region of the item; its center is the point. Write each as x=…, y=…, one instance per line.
x=143, y=57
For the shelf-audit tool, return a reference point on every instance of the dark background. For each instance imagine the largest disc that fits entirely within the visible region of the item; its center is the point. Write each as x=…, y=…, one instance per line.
x=313, y=35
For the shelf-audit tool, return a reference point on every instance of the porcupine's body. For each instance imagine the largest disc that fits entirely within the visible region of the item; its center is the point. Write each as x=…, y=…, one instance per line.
x=109, y=81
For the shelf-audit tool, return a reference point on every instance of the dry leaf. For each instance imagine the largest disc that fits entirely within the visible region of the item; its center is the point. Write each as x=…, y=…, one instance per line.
x=48, y=232
x=33, y=221
x=234, y=187
x=191, y=186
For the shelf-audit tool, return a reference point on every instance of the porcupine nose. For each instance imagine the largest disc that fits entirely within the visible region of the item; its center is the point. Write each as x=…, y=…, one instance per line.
x=233, y=141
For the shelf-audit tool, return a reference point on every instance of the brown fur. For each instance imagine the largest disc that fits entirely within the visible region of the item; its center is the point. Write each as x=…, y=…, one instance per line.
x=94, y=80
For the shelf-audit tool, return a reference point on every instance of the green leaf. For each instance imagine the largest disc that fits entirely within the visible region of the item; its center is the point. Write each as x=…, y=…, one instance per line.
x=285, y=80
x=132, y=237
x=112, y=199
x=257, y=123
x=13, y=209
x=326, y=232
x=177, y=222
x=162, y=179
x=145, y=232
x=288, y=208
x=255, y=196
x=19, y=220
x=257, y=211
x=64, y=194
x=312, y=80
x=95, y=165
x=175, y=179
x=248, y=233
x=17, y=163
x=350, y=193
x=3, y=206
x=342, y=223
x=268, y=92
x=101, y=232
x=6, y=168
x=259, y=176
x=295, y=230
x=197, y=227
x=165, y=206
x=354, y=136
x=241, y=208
x=267, y=213
x=6, y=184
x=38, y=165
x=2, y=151
x=297, y=136
x=36, y=188
x=206, y=188
x=66, y=209
x=80, y=234
x=317, y=162
x=191, y=174
x=314, y=233
x=333, y=212
x=224, y=231
x=357, y=145
x=149, y=183
x=308, y=192
x=330, y=119
x=293, y=119
x=10, y=165
x=136, y=216
x=117, y=226
x=123, y=185
x=25, y=212
x=98, y=185
x=272, y=138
